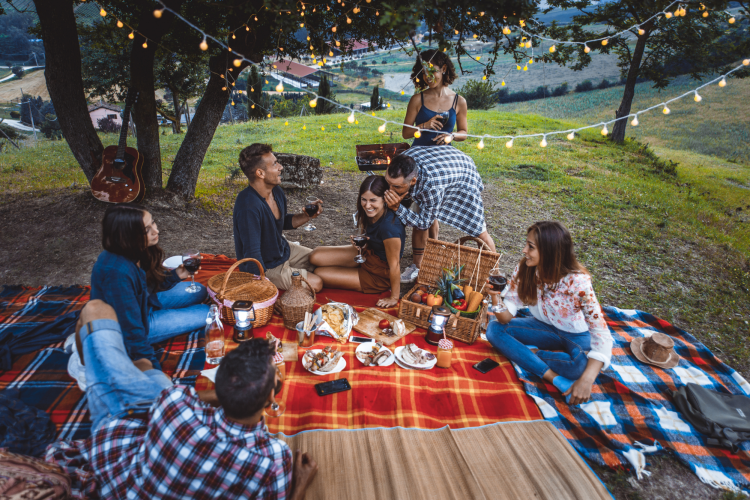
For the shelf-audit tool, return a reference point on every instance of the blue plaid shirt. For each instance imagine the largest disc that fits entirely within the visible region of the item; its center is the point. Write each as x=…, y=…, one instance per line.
x=448, y=189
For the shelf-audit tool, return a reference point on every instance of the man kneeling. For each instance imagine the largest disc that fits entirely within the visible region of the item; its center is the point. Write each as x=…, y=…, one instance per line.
x=151, y=439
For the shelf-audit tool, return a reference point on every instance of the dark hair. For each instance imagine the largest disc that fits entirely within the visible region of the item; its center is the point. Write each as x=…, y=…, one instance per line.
x=438, y=59
x=123, y=233
x=377, y=185
x=245, y=378
x=556, y=260
x=402, y=166
x=251, y=158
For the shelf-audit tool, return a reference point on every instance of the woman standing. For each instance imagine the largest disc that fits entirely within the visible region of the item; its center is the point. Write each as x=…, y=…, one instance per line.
x=385, y=232
x=436, y=107
x=128, y=275
x=566, y=315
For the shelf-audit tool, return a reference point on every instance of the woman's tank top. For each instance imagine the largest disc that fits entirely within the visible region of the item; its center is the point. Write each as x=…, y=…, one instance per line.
x=425, y=114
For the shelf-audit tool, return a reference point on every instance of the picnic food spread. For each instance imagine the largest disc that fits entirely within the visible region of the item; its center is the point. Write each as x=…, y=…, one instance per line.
x=323, y=360
x=374, y=354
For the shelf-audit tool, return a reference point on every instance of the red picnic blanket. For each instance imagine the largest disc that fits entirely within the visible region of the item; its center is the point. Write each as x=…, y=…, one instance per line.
x=459, y=396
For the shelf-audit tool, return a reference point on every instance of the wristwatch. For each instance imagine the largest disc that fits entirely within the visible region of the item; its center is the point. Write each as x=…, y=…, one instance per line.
x=497, y=308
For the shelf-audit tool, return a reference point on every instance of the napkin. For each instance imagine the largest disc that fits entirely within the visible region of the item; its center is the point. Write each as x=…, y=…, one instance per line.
x=210, y=374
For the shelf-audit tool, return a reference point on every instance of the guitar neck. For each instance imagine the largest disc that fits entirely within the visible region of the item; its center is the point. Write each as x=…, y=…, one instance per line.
x=123, y=142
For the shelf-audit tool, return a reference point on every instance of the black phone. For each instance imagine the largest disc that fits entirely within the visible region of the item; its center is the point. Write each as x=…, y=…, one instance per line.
x=332, y=387
x=486, y=365
x=361, y=340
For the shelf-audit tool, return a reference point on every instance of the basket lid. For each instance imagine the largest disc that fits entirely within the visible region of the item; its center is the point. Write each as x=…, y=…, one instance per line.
x=439, y=254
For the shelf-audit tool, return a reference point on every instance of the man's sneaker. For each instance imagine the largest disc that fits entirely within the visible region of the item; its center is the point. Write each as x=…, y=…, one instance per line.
x=410, y=274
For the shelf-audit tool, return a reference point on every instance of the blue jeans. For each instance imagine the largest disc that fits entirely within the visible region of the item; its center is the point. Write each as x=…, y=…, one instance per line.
x=116, y=387
x=181, y=312
x=511, y=340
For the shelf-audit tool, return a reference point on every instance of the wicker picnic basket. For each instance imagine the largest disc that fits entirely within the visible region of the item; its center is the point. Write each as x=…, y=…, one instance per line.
x=439, y=254
x=226, y=288
x=297, y=301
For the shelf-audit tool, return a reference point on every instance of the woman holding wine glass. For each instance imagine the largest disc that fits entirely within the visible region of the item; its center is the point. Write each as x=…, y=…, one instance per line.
x=436, y=107
x=372, y=264
x=150, y=303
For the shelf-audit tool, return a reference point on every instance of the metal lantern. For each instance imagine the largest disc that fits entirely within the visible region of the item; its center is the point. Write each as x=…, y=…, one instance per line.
x=437, y=319
x=244, y=315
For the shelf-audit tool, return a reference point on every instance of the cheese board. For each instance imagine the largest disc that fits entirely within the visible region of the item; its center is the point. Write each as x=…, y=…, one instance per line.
x=368, y=325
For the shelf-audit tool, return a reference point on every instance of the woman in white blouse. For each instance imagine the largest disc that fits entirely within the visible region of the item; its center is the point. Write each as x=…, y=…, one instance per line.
x=566, y=341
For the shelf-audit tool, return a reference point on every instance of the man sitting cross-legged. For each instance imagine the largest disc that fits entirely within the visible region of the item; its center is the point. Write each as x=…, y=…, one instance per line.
x=151, y=439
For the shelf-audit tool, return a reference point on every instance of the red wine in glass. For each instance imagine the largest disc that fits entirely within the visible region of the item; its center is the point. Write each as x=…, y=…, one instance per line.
x=498, y=281
x=311, y=208
x=277, y=408
x=192, y=261
x=360, y=240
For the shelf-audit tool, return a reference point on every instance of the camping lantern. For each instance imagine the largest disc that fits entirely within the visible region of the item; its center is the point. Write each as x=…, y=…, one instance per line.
x=437, y=319
x=244, y=315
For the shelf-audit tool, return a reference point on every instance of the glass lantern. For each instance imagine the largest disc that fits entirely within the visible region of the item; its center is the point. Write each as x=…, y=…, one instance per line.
x=244, y=315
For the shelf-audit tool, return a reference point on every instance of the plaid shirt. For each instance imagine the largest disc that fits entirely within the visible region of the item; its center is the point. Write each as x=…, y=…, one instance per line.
x=448, y=189
x=186, y=449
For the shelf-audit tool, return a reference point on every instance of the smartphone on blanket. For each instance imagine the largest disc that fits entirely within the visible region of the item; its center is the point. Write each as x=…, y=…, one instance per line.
x=486, y=365
x=332, y=387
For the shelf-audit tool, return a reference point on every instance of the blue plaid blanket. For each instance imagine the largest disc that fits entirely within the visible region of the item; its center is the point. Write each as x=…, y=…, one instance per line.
x=631, y=413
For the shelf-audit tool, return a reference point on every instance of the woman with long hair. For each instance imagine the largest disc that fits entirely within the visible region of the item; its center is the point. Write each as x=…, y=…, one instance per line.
x=130, y=277
x=565, y=315
x=385, y=232
x=435, y=107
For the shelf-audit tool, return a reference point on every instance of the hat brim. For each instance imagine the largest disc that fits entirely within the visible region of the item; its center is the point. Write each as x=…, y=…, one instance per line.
x=636, y=345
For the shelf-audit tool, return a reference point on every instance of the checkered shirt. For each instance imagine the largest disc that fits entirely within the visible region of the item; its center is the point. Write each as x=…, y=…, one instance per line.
x=448, y=189
x=186, y=449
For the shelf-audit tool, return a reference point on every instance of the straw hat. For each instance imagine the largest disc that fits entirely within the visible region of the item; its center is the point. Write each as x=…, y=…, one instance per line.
x=657, y=350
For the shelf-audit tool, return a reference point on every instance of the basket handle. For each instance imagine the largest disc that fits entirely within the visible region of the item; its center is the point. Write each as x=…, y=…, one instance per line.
x=480, y=244
x=232, y=268
x=315, y=295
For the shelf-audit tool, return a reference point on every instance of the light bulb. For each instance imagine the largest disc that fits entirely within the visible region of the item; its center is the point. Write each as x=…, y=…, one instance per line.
x=635, y=121
x=339, y=125
x=456, y=31
x=531, y=61
x=252, y=106
x=475, y=35
x=377, y=12
x=448, y=138
x=518, y=67
x=232, y=103
x=381, y=128
x=266, y=81
x=333, y=29
x=338, y=44
x=355, y=10
x=605, y=42
x=509, y=144
x=229, y=49
x=552, y=49
x=223, y=88
x=481, y=144
x=103, y=13
x=131, y=35
x=666, y=110
x=330, y=53
x=506, y=31
x=697, y=97
x=348, y=20
x=478, y=57
x=528, y=44
x=731, y=20
x=286, y=123
x=356, y=122
x=313, y=103
x=280, y=87
x=571, y=136
x=586, y=48
x=247, y=28
x=417, y=134
x=322, y=128
x=605, y=131
x=641, y=31
x=544, y=142
x=484, y=77
x=119, y=24
x=233, y=36
x=268, y=115
x=204, y=45
x=723, y=82
x=746, y=62
x=668, y=15
x=705, y=14
x=402, y=92
x=237, y=63
x=301, y=25
x=503, y=83
x=525, y=68
x=304, y=127
x=145, y=45
x=351, y=118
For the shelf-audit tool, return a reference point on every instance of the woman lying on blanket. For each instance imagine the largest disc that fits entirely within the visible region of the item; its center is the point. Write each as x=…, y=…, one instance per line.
x=565, y=315
x=381, y=270
x=128, y=275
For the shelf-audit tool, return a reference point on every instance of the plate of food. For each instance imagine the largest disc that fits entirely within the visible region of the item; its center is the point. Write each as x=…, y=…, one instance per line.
x=414, y=357
x=323, y=361
x=374, y=354
x=336, y=320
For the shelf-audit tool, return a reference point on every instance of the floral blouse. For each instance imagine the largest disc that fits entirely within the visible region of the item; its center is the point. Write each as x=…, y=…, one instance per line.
x=571, y=306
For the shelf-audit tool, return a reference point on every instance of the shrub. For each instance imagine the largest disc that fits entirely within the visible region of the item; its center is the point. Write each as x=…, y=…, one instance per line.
x=479, y=94
x=9, y=131
x=376, y=102
x=324, y=90
x=15, y=114
x=584, y=86
x=51, y=127
x=18, y=71
x=107, y=125
x=604, y=84
x=561, y=90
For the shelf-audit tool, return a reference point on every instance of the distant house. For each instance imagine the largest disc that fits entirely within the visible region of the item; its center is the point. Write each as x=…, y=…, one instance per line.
x=103, y=110
x=295, y=74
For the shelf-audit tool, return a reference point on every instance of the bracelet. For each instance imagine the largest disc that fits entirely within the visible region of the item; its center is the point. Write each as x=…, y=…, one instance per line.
x=500, y=308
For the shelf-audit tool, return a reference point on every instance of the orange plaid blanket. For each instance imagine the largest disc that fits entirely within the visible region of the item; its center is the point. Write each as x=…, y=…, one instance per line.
x=390, y=396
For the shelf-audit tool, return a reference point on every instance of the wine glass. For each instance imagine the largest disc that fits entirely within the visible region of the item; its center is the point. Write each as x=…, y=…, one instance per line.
x=360, y=240
x=192, y=261
x=443, y=116
x=277, y=408
x=311, y=208
x=498, y=282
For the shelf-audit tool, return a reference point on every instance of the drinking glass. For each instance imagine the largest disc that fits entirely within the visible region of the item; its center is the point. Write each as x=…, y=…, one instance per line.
x=192, y=261
x=311, y=208
x=498, y=282
x=360, y=241
x=277, y=408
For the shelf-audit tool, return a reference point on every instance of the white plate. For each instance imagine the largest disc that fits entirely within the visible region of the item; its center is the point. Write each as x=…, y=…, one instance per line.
x=408, y=367
x=367, y=347
x=426, y=366
x=339, y=367
x=173, y=262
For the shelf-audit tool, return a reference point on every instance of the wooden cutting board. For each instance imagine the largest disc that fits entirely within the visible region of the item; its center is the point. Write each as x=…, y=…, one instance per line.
x=368, y=325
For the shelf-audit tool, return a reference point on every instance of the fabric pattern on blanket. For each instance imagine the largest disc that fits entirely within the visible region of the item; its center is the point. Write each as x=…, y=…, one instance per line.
x=631, y=410
x=41, y=377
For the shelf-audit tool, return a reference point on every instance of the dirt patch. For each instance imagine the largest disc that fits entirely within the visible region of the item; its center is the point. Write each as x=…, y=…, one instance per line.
x=33, y=84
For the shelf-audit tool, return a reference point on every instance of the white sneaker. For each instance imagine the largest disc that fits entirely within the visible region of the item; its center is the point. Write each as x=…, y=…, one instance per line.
x=75, y=369
x=410, y=274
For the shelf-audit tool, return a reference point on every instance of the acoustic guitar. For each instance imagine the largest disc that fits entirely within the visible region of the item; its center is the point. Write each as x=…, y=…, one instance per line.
x=120, y=178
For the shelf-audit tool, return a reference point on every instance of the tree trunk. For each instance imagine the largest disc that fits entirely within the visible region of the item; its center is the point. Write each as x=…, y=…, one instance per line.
x=618, y=132
x=178, y=115
x=187, y=163
x=65, y=82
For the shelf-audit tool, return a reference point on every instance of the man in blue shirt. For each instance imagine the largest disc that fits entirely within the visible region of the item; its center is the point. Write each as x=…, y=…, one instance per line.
x=260, y=216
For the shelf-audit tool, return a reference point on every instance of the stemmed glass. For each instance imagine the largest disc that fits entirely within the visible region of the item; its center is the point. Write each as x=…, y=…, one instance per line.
x=498, y=282
x=192, y=261
x=277, y=408
x=311, y=208
x=360, y=240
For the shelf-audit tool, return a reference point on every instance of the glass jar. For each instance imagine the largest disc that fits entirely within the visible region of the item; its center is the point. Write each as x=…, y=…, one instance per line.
x=444, y=353
x=278, y=361
x=305, y=338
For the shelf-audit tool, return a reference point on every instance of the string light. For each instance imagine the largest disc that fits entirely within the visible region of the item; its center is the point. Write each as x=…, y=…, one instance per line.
x=313, y=103
x=635, y=121
x=304, y=127
x=641, y=31
x=552, y=49
x=502, y=84
x=509, y=144
x=746, y=62
x=586, y=48
x=668, y=15
x=697, y=97
x=280, y=87
x=666, y=110
x=238, y=62
x=544, y=142
x=723, y=82
x=448, y=138
x=103, y=13
x=157, y=15
x=481, y=143
x=351, y=118
x=605, y=131
x=339, y=125
x=204, y=45
x=417, y=134
x=605, y=42
x=145, y=45
x=286, y=122
x=731, y=20
x=571, y=136
x=381, y=128
x=131, y=35
x=322, y=128
x=119, y=24
x=705, y=14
